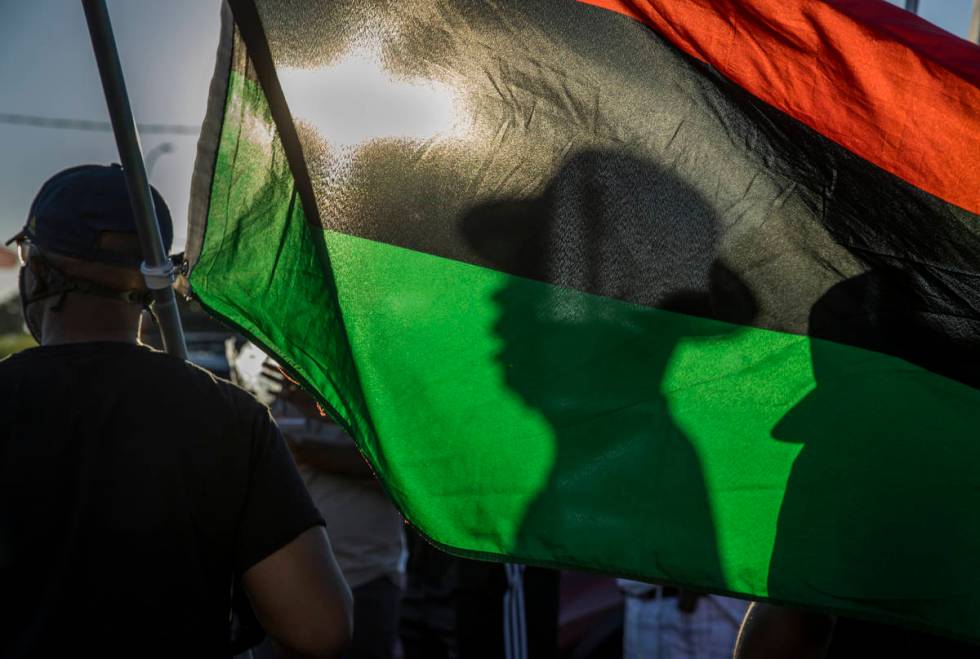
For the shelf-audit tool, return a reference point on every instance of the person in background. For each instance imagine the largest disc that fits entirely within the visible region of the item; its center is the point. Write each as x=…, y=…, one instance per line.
x=135, y=488
x=458, y=608
x=664, y=622
x=770, y=631
x=365, y=528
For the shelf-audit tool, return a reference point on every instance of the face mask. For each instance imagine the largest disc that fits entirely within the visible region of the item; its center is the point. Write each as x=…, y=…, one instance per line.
x=32, y=311
x=55, y=285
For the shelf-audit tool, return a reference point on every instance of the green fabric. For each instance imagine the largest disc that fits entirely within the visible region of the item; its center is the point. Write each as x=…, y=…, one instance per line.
x=509, y=418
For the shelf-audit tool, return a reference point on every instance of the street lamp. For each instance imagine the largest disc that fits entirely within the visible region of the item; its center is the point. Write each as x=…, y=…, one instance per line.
x=154, y=154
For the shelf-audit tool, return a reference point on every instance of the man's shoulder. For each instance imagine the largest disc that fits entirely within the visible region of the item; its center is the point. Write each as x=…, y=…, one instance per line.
x=198, y=380
x=17, y=359
x=131, y=366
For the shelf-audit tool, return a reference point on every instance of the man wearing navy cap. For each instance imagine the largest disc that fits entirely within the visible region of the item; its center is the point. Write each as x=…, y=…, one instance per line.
x=80, y=237
x=135, y=488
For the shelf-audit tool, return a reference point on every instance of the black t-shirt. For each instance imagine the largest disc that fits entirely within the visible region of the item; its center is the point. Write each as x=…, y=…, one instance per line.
x=133, y=488
x=859, y=639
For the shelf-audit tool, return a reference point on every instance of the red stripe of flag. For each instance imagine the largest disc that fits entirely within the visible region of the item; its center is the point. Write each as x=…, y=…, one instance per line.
x=880, y=81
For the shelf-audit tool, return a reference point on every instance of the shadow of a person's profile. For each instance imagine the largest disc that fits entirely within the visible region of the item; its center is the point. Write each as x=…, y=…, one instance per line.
x=619, y=268
x=880, y=505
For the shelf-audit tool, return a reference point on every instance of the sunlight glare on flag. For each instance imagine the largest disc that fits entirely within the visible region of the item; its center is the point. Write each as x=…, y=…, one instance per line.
x=355, y=101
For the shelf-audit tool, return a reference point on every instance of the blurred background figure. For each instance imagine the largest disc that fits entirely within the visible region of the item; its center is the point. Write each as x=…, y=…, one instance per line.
x=664, y=622
x=365, y=528
x=458, y=608
x=781, y=632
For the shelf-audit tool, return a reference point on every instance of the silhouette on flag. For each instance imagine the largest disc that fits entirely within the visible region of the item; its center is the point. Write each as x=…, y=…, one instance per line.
x=676, y=290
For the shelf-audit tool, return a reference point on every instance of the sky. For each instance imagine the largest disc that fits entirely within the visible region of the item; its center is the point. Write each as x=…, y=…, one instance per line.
x=47, y=68
x=167, y=51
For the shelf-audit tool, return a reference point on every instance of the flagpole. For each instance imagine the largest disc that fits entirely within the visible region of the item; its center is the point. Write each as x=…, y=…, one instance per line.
x=157, y=269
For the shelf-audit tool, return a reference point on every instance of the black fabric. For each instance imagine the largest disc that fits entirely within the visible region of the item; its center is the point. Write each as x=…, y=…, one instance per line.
x=454, y=607
x=33, y=320
x=859, y=639
x=57, y=284
x=480, y=610
x=428, y=613
x=596, y=156
x=133, y=488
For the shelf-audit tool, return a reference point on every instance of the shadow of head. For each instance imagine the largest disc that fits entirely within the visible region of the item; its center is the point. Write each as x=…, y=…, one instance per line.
x=889, y=450
x=904, y=342
x=617, y=263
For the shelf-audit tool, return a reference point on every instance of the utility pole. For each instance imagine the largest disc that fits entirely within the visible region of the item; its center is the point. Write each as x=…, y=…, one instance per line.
x=974, y=34
x=912, y=6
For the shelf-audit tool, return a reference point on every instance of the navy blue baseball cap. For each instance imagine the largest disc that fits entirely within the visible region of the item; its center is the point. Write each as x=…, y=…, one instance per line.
x=75, y=206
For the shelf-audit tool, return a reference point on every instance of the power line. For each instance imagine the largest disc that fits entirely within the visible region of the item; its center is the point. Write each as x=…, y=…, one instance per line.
x=94, y=126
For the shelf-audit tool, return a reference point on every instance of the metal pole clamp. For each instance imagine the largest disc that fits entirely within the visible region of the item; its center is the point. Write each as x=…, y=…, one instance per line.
x=158, y=277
